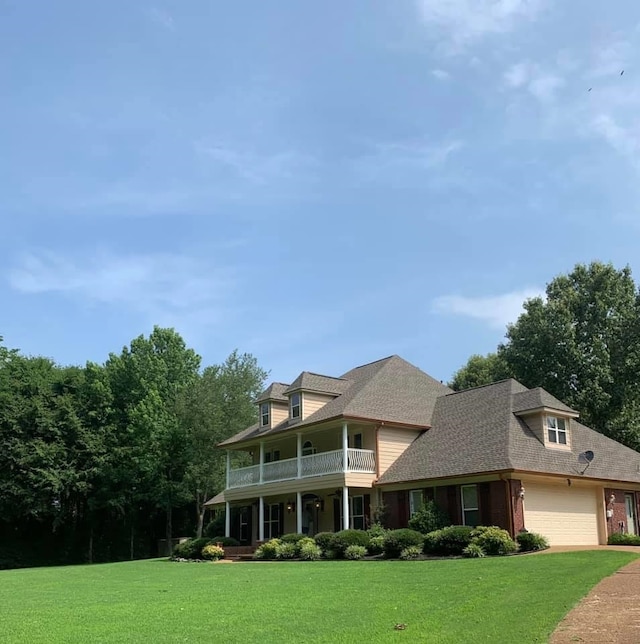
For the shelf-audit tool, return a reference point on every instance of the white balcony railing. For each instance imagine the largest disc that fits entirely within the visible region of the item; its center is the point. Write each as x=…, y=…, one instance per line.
x=358, y=460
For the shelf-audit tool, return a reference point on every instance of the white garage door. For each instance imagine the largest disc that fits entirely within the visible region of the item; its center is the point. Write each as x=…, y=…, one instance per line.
x=566, y=516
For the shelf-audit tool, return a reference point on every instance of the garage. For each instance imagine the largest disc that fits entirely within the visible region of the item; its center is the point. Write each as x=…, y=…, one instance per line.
x=566, y=516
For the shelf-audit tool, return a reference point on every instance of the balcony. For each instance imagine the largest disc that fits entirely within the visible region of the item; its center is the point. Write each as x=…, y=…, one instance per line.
x=358, y=460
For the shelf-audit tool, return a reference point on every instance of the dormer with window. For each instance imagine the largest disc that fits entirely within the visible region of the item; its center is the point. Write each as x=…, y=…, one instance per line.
x=272, y=406
x=309, y=392
x=265, y=414
x=295, y=406
x=548, y=418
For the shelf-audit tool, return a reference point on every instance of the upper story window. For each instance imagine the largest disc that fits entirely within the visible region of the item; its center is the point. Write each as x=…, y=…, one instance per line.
x=556, y=430
x=264, y=414
x=296, y=405
x=308, y=449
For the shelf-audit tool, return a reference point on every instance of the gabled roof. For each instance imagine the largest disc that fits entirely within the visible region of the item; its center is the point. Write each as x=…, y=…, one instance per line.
x=275, y=391
x=536, y=399
x=477, y=430
x=315, y=382
x=390, y=390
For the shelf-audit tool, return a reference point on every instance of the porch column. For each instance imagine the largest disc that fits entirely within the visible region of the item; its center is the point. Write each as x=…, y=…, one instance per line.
x=261, y=459
x=227, y=518
x=299, y=454
x=228, y=468
x=298, y=510
x=261, y=519
x=345, y=448
x=345, y=508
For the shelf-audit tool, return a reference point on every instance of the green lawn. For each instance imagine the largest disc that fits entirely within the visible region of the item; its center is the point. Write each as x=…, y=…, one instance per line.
x=513, y=599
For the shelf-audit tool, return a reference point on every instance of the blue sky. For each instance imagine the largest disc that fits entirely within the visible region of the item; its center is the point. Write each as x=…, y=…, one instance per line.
x=320, y=185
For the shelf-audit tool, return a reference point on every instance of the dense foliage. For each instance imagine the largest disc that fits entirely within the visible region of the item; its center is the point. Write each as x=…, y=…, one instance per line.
x=99, y=462
x=345, y=538
x=530, y=541
x=580, y=343
x=429, y=518
x=448, y=541
x=621, y=539
x=395, y=541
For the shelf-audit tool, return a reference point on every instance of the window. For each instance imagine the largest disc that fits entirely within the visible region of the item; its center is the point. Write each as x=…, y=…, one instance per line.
x=416, y=501
x=273, y=455
x=296, y=404
x=308, y=448
x=357, y=512
x=356, y=441
x=557, y=430
x=271, y=521
x=470, y=513
x=264, y=414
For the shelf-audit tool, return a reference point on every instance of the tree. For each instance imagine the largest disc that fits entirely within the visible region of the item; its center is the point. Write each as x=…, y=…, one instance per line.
x=480, y=370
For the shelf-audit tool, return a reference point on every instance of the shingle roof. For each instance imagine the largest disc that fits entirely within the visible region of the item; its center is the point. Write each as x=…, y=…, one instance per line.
x=477, y=430
x=275, y=391
x=388, y=390
x=537, y=398
x=308, y=381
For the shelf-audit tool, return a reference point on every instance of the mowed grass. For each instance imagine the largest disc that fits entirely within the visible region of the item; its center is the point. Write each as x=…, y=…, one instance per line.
x=513, y=599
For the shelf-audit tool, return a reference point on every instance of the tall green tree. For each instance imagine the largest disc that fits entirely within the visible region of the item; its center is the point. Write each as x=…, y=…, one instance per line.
x=480, y=370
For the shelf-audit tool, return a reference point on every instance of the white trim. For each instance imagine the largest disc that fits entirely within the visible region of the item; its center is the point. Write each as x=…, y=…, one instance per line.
x=299, y=405
x=298, y=512
x=345, y=508
x=261, y=519
x=227, y=519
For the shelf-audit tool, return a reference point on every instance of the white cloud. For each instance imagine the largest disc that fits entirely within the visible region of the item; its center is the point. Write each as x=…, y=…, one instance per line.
x=497, y=311
x=161, y=17
x=440, y=74
x=389, y=158
x=540, y=84
x=156, y=284
x=466, y=21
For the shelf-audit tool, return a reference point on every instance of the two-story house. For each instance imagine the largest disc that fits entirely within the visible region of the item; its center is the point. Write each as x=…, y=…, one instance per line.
x=331, y=453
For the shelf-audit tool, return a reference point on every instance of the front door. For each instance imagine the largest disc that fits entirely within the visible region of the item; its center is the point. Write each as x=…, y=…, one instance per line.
x=630, y=507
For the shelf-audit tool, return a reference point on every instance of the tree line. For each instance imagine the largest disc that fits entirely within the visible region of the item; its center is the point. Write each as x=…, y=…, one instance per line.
x=98, y=462
x=581, y=343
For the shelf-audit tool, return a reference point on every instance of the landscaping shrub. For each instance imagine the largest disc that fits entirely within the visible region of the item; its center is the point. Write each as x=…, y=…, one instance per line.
x=212, y=552
x=329, y=554
x=473, y=550
x=530, y=541
x=309, y=550
x=268, y=550
x=293, y=537
x=355, y=552
x=376, y=545
x=345, y=538
x=493, y=540
x=429, y=518
x=447, y=542
x=224, y=541
x=395, y=541
x=286, y=550
x=191, y=548
x=214, y=527
x=377, y=530
x=620, y=539
x=323, y=539
x=411, y=552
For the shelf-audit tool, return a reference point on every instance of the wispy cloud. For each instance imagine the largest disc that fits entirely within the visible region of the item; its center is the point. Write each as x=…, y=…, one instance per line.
x=387, y=159
x=154, y=284
x=440, y=74
x=161, y=17
x=466, y=21
x=539, y=83
x=496, y=310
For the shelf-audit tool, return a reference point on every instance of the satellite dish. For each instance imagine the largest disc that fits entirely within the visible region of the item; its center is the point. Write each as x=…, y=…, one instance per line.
x=586, y=457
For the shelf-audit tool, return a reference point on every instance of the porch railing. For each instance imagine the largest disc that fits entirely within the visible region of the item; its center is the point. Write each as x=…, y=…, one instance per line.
x=358, y=460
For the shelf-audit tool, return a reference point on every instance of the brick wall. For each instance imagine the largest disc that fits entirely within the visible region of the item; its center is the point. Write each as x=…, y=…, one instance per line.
x=618, y=522
x=517, y=505
x=498, y=510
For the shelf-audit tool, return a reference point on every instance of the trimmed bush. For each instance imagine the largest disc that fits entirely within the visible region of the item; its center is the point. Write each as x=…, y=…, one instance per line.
x=323, y=539
x=224, y=541
x=473, y=550
x=494, y=540
x=329, y=554
x=345, y=538
x=308, y=550
x=377, y=530
x=268, y=550
x=214, y=527
x=411, y=552
x=531, y=541
x=355, y=552
x=620, y=539
x=212, y=552
x=293, y=537
x=429, y=518
x=449, y=541
x=395, y=541
x=190, y=549
x=286, y=550
x=376, y=545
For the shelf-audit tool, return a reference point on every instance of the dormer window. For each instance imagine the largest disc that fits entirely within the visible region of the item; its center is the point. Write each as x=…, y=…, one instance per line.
x=556, y=430
x=296, y=405
x=264, y=414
